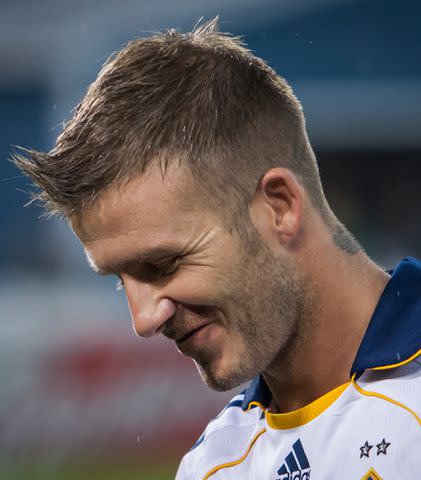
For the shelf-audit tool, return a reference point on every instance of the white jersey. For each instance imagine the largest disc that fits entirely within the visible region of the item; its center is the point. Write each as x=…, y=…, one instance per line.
x=368, y=428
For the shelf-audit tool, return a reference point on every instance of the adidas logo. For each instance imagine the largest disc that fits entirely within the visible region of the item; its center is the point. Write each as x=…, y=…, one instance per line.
x=296, y=465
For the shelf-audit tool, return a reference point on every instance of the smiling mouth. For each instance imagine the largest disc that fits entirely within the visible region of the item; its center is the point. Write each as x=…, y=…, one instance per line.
x=190, y=334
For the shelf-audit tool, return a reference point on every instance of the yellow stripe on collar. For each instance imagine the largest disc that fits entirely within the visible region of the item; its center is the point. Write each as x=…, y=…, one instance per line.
x=297, y=418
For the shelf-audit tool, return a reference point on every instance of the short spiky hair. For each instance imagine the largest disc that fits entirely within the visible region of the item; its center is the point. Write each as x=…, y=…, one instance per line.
x=201, y=98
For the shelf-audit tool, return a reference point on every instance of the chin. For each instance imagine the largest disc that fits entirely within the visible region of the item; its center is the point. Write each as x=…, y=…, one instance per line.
x=222, y=381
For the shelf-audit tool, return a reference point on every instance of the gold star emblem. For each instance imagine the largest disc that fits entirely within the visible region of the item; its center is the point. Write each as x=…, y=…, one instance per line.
x=372, y=475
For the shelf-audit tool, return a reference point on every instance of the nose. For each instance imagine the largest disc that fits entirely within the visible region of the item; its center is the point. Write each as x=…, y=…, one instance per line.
x=149, y=308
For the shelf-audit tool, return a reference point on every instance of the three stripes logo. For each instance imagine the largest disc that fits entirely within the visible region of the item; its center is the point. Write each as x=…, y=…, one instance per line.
x=296, y=465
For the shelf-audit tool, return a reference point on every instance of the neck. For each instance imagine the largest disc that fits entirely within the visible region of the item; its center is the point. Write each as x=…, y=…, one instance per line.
x=345, y=289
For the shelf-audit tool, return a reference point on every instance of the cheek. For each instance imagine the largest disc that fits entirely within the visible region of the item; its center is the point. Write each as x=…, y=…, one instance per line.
x=215, y=280
x=194, y=287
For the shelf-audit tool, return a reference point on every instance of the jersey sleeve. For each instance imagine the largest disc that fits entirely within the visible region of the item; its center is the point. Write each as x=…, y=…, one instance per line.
x=181, y=474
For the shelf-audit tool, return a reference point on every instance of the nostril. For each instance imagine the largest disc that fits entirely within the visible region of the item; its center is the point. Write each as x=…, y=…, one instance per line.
x=151, y=320
x=159, y=329
x=165, y=311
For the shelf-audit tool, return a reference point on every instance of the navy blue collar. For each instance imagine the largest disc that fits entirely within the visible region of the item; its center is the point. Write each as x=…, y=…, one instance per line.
x=393, y=334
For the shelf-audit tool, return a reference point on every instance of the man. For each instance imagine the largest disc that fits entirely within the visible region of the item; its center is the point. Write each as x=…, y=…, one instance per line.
x=187, y=172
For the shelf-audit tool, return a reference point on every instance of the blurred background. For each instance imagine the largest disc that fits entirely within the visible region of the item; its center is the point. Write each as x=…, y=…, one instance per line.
x=80, y=395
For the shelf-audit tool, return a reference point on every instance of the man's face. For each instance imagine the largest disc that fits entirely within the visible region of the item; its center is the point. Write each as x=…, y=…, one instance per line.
x=229, y=303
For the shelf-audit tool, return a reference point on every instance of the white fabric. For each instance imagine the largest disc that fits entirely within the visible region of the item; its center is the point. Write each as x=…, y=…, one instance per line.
x=333, y=442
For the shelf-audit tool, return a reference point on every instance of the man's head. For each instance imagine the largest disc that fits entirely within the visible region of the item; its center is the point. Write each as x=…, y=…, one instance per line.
x=190, y=145
x=184, y=272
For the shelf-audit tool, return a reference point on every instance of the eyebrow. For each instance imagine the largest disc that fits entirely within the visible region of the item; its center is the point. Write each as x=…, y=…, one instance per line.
x=153, y=254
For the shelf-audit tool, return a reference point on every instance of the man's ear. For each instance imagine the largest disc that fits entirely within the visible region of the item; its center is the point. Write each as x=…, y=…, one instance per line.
x=277, y=207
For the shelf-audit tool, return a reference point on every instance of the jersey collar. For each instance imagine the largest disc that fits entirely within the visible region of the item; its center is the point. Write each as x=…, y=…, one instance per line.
x=392, y=338
x=394, y=333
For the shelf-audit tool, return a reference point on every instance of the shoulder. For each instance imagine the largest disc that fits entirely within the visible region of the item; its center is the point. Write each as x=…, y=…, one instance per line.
x=399, y=386
x=388, y=361
x=225, y=437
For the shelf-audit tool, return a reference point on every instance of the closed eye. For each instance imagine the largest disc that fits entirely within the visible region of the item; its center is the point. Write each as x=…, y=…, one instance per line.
x=151, y=271
x=164, y=269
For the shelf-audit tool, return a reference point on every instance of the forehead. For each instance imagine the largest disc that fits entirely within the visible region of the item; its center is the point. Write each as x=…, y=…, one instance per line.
x=145, y=209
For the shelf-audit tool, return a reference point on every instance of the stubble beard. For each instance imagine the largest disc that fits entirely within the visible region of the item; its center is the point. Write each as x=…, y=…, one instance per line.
x=268, y=300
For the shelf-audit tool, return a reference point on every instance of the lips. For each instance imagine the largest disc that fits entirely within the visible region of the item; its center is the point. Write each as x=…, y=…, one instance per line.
x=199, y=342
x=188, y=320
x=186, y=336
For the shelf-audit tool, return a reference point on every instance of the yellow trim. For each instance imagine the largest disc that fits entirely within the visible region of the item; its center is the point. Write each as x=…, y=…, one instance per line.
x=372, y=474
x=387, y=399
x=394, y=365
x=283, y=421
x=235, y=462
x=257, y=404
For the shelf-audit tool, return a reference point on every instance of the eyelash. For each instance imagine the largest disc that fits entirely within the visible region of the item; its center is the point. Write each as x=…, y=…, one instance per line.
x=119, y=285
x=165, y=269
